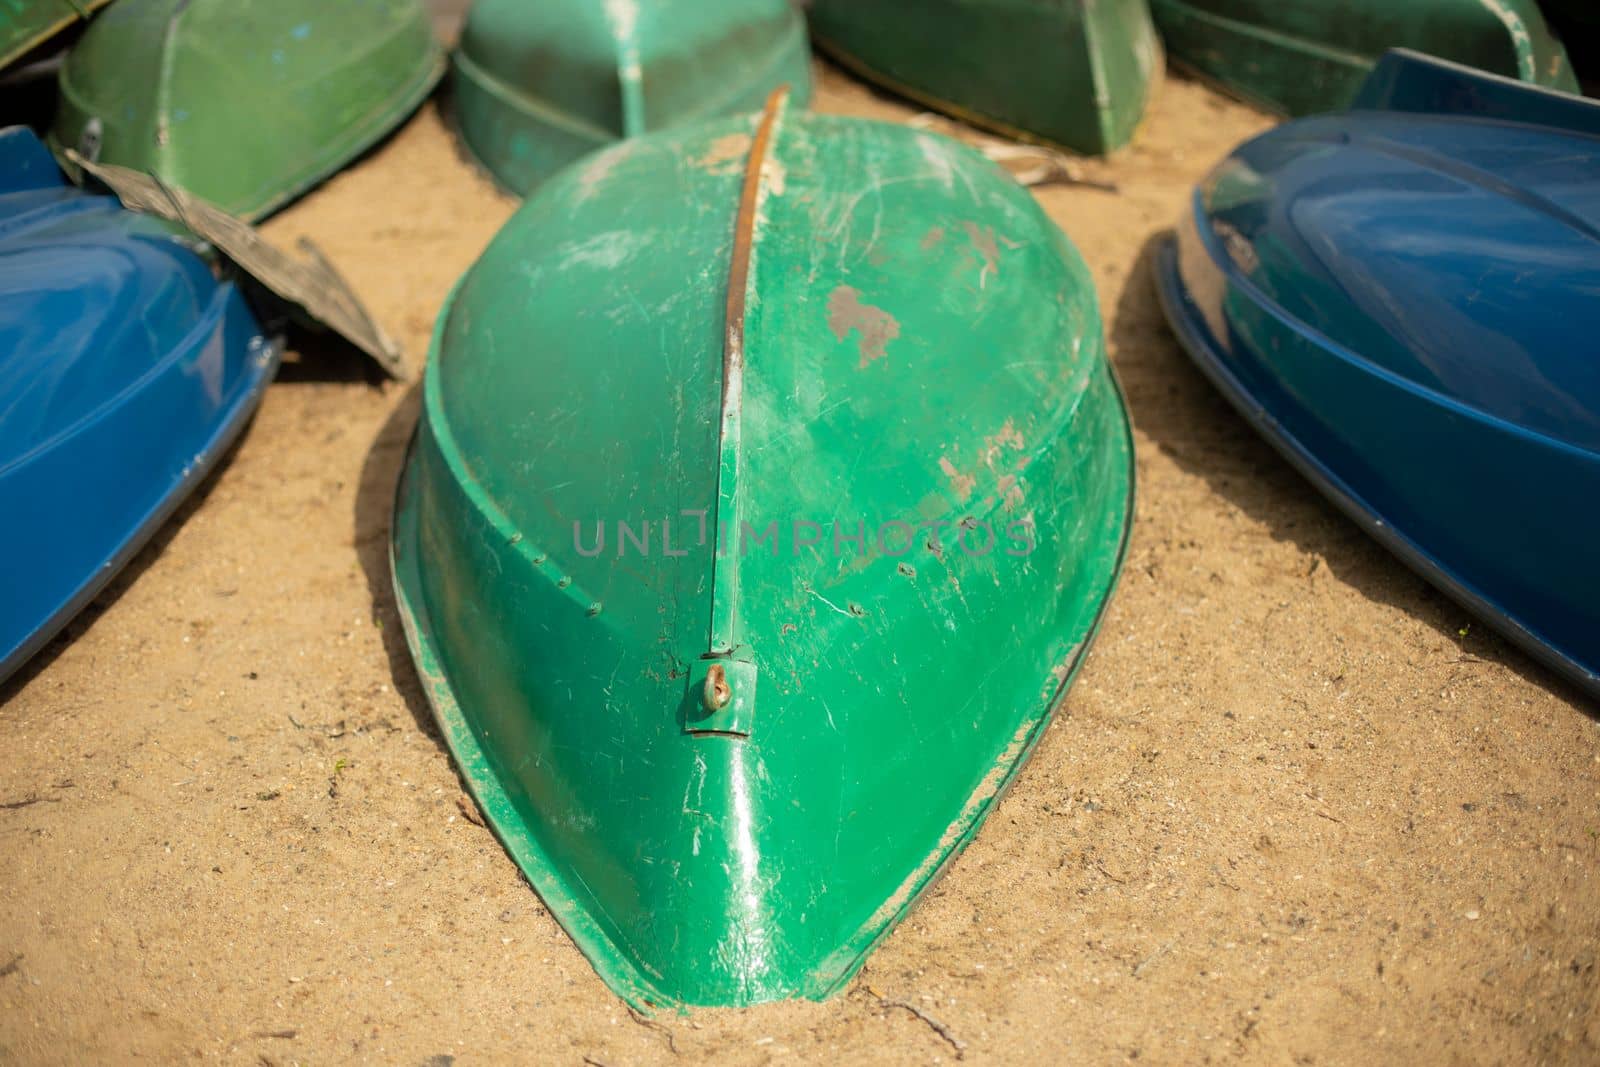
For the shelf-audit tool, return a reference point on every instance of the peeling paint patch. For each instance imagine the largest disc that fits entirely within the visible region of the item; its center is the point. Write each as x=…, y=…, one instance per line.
x=1008, y=437
x=960, y=484
x=932, y=239
x=983, y=240
x=604, y=251
x=727, y=154
x=876, y=327
x=1062, y=671
x=598, y=170
x=774, y=179
x=936, y=154
x=1011, y=493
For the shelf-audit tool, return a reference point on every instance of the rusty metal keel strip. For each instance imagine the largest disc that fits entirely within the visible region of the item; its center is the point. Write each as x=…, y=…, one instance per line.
x=725, y=574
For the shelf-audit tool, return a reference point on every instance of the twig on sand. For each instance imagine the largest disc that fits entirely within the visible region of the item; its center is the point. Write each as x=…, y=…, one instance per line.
x=468, y=810
x=1319, y=811
x=649, y=1023
x=25, y=802
x=933, y=1024
x=592, y=1062
x=1102, y=869
x=1156, y=955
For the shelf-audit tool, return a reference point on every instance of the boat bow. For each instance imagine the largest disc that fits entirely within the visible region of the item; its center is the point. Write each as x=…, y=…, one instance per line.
x=740, y=601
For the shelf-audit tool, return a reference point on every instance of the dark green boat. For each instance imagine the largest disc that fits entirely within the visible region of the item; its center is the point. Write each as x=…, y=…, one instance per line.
x=27, y=24
x=1309, y=56
x=863, y=362
x=245, y=103
x=1076, y=74
x=538, y=86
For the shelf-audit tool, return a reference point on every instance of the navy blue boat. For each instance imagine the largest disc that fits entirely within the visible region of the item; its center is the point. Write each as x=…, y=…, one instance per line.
x=1405, y=300
x=126, y=369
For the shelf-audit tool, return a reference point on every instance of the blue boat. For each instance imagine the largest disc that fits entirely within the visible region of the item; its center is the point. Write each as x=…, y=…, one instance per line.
x=1405, y=300
x=126, y=369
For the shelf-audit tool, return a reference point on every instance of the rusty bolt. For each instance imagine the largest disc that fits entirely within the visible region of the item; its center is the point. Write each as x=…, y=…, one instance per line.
x=717, y=693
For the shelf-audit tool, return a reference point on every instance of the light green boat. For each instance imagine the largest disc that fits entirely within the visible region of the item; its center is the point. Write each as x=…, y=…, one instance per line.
x=244, y=103
x=539, y=85
x=1301, y=57
x=1075, y=74
x=861, y=360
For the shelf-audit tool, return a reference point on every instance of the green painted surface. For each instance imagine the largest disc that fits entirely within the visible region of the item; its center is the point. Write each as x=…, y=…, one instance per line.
x=1073, y=73
x=245, y=103
x=26, y=24
x=538, y=86
x=1301, y=57
x=921, y=346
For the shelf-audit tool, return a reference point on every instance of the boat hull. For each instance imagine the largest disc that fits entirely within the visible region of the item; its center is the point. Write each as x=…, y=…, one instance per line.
x=248, y=105
x=1074, y=75
x=1404, y=301
x=539, y=87
x=1307, y=58
x=916, y=344
x=126, y=370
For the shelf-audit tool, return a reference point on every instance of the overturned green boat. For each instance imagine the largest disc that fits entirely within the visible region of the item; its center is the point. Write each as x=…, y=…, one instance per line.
x=244, y=103
x=538, y=86
x=27, y=24
x=1076, y=74
x=1308, y=57
x=770, y=485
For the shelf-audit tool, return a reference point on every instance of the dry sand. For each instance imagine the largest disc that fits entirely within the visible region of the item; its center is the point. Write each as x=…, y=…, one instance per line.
x=1298, y=807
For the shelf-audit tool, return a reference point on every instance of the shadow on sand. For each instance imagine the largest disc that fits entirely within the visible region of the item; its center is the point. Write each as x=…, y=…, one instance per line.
x=374, y=507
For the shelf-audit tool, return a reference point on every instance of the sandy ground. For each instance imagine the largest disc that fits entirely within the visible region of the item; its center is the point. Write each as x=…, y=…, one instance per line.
x=1299, y=808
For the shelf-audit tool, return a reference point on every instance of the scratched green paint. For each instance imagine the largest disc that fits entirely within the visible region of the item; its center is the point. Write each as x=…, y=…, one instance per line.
x=922, y=345
x=538, y=86
x=1074, y=73
x=1307, y=57
x=245, y=103
x=27, y=24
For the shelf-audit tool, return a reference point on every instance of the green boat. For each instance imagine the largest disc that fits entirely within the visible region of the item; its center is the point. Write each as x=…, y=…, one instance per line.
x=1307, y=56
x=1075, y=74
x=770, y=484
x=27, y=24
x=538, y=86
x=244, y=103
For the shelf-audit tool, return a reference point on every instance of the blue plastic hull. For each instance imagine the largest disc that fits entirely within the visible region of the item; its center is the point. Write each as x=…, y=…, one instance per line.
x=126, y=370
x=1405, y=300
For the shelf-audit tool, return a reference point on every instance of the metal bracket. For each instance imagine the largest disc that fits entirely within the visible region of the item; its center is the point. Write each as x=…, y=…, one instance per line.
x=722, y=696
